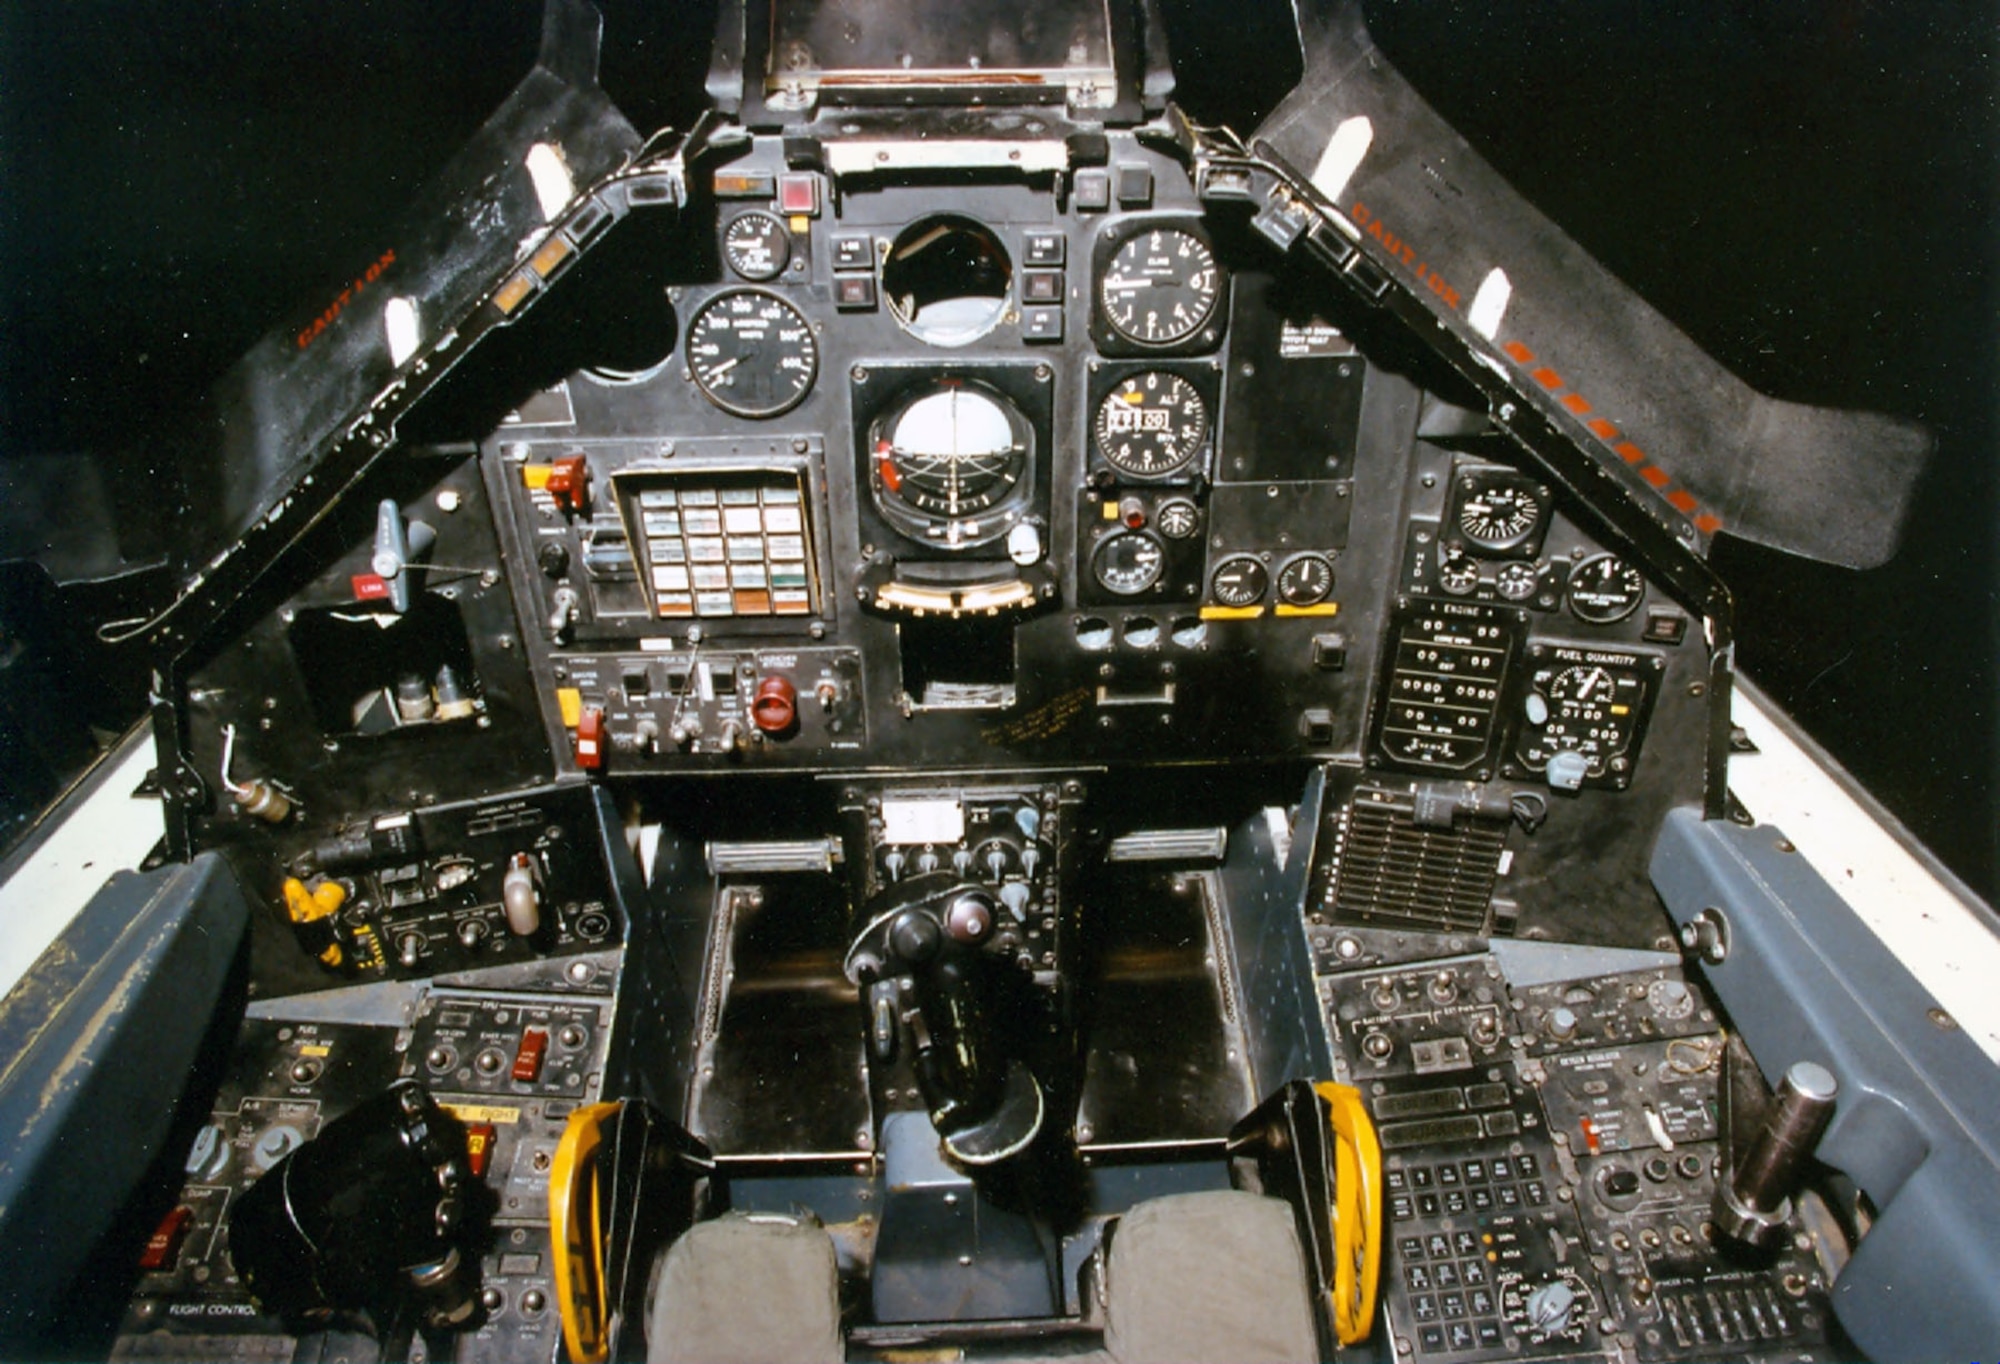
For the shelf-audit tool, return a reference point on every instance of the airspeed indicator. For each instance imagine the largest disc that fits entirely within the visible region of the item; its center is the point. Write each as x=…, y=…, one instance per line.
x=751, y=353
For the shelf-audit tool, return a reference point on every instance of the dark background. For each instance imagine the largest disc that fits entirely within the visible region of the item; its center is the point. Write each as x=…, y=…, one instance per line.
x=1807, y=188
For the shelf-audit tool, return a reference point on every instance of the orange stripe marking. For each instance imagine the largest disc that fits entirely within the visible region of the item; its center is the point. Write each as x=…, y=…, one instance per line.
x=1680, y=499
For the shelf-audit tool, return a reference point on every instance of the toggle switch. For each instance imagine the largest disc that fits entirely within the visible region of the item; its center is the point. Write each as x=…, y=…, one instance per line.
x=163, y=1247
x=528, y=1056
x=590, y=738
x=569, y=483
x=479, y=1139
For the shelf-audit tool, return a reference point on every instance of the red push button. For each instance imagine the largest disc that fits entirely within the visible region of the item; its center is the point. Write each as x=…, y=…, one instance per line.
x=798, y=194
x=776, y=706
x=590, y=738
x=163, y=1248
x=528, y=1056
x=479, y=1139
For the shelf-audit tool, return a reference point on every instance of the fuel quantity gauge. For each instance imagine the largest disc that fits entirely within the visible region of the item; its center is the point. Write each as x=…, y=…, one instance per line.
x=1584, y=714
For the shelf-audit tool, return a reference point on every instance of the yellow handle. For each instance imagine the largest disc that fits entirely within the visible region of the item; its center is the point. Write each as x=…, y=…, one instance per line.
x=1357, y=1212
x=578, y=1245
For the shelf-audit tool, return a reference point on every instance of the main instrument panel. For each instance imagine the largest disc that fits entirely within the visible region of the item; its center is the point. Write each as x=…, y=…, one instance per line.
x=1067, y=473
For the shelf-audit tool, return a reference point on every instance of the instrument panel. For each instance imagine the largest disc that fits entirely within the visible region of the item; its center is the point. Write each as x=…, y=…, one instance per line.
x=1049, y=477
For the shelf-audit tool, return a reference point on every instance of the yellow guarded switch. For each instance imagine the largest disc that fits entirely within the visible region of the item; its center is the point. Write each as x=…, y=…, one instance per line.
x=306, y=905
x=536, y=476
x=570, y=701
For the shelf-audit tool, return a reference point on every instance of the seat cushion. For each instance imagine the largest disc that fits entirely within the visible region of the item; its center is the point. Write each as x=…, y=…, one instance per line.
x=1201, y=1277
x=747, y=1288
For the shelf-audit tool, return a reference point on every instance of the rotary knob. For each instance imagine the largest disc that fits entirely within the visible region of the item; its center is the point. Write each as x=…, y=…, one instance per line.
x=1549, y=1306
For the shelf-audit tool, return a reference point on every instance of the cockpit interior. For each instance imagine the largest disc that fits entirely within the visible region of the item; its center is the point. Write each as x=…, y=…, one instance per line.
x=946, y=714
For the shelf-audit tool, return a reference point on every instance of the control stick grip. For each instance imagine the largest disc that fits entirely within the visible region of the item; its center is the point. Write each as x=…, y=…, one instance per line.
x=923, y=978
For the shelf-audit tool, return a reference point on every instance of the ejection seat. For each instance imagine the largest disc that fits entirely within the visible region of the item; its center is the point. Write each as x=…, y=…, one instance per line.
x=1184, y=1279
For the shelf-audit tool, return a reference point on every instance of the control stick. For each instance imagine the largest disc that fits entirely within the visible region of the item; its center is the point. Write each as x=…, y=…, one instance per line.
x=926, y=984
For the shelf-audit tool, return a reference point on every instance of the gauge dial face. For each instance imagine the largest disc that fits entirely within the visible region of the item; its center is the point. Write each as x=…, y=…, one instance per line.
x=1128, y=562
x=1177, y=518
x=1605, y=589
x=1305, y=580
x=1239, y=581
x=1516, y=581
x=951, y=463
x=1457, y=573
x=1151, y=424
x=752, y=353
x=1499, y=516
x=1593, y=710
x=1160, y=287
x=756, y=245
